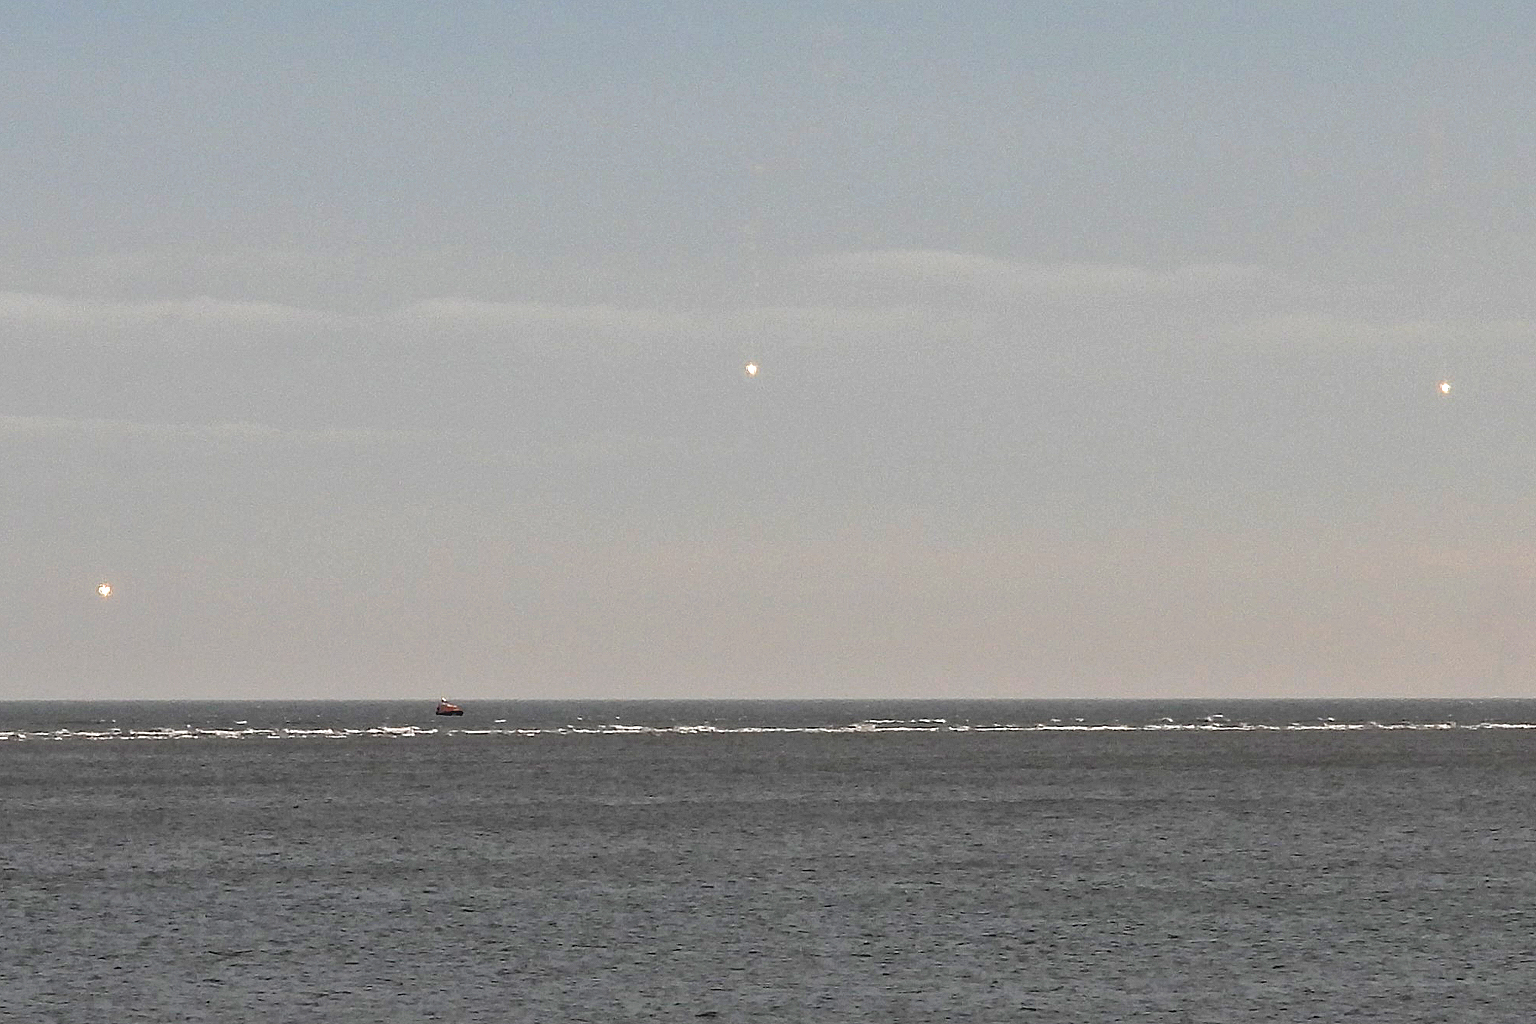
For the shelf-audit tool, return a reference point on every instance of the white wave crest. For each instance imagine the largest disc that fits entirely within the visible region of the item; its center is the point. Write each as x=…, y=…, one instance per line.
x=1215, y=723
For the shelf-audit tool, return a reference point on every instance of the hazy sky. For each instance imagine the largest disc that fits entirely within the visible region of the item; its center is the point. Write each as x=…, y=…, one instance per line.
x=394, y=349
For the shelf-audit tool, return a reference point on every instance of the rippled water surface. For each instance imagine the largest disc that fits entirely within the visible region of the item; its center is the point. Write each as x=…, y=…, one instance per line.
x=768, y=862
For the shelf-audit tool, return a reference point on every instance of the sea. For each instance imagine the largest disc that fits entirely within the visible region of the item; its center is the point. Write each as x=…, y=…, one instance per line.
x=824, y=861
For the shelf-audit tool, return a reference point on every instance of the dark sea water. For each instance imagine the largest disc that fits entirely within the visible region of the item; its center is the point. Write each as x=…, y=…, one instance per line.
x=793, y=862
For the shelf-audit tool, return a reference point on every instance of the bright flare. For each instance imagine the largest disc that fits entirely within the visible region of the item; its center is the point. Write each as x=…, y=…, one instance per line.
x=104, y=589
x=1445, y=387
x=751, y=369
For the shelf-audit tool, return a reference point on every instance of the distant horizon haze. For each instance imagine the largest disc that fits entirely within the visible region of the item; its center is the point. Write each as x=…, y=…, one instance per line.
x=402, y=353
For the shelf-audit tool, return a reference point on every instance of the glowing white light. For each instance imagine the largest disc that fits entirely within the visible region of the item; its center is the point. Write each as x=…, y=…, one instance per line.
x=1445, y=387
x=104, y=589
x=751, y=369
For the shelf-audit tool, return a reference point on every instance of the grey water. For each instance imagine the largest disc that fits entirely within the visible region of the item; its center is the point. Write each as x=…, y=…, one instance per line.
x=813, y=861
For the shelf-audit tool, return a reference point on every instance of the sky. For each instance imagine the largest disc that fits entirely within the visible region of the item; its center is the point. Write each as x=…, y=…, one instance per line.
x=394, y=350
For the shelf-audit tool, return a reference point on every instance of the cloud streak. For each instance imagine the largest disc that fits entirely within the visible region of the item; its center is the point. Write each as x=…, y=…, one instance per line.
x=59, y=310
x=104, y=430
x=972, y=273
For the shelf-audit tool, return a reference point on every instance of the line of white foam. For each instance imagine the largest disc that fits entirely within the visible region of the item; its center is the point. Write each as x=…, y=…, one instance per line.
x=866, y=727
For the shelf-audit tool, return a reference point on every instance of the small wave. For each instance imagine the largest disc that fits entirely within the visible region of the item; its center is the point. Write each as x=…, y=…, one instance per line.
x=867, y=726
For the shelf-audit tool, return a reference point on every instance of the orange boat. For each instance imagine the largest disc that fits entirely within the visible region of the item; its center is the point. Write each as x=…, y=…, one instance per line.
x=444, y=708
